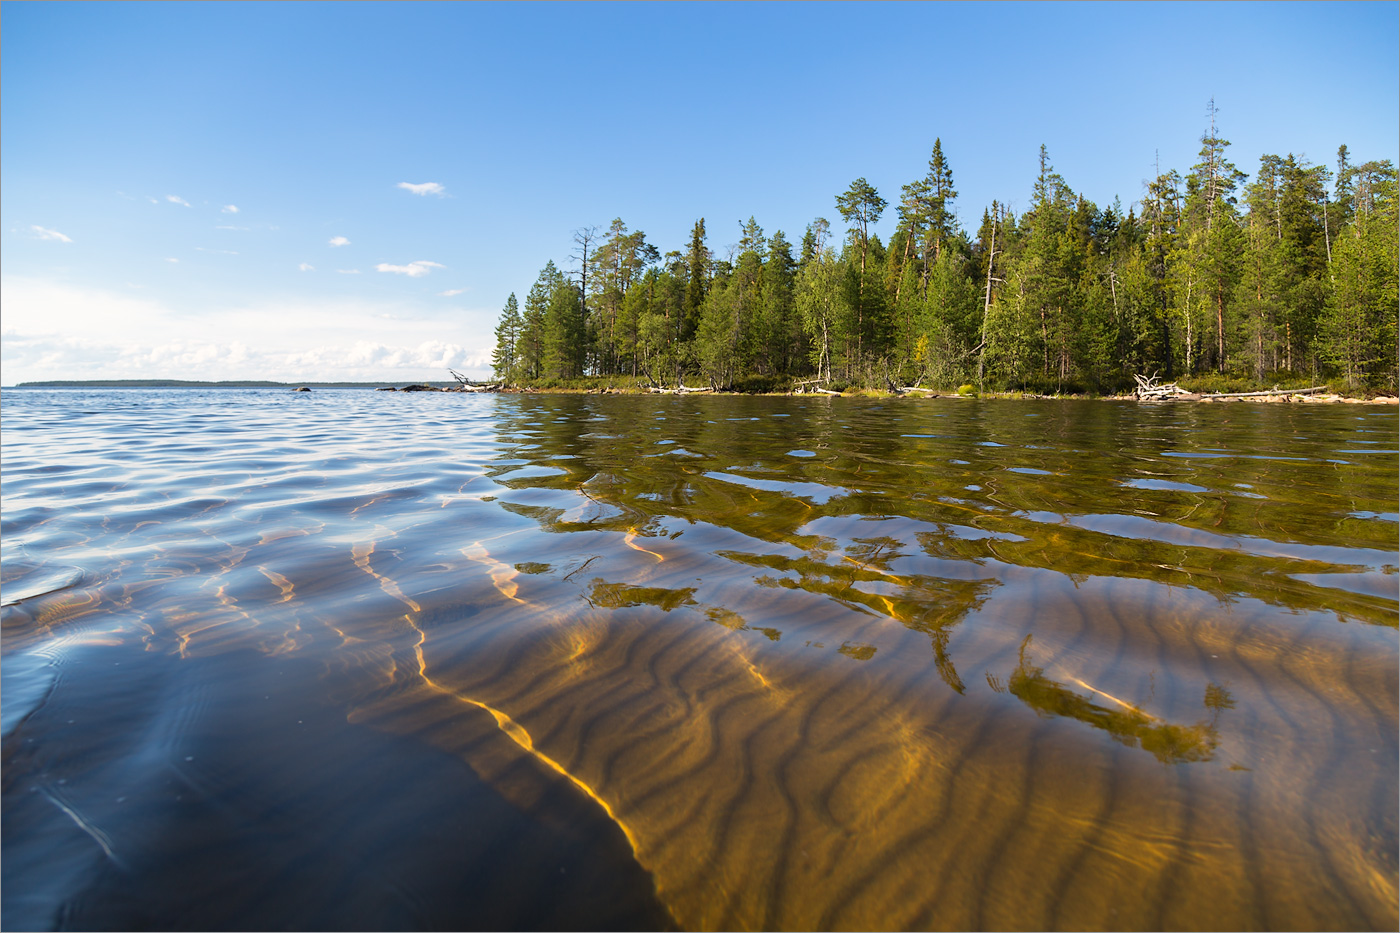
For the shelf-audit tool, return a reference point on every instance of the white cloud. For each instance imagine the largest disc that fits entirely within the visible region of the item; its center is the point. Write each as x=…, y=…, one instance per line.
x=427, y=187
x=414, y=270
x=226, y=252
x=52, y=331
x=173, y=199
x=451, y=292
x=306, y=267
x=371, y=356
x=226, y=227
x=171, y=259
x=348, y=271
x=339, y=241
x=47, y=234
x=230, y=209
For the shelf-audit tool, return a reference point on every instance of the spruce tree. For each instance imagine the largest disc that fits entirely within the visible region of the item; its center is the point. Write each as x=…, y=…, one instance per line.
x=503, y=358
x=697, y=278
x=941, y=194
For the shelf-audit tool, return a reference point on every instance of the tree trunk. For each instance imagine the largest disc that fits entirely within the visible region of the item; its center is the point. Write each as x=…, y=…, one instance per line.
x=1220, y=328
x=860, y=301
x=1327, y=236
x=987, y=301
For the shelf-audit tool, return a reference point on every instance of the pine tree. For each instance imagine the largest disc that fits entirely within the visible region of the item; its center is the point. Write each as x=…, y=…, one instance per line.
x=617, y=262
x=585, y=242
x=861, y=206
x=1213, y=235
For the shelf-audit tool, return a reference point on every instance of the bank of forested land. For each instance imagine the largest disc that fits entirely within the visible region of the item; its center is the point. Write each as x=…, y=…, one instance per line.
x=1221, y=278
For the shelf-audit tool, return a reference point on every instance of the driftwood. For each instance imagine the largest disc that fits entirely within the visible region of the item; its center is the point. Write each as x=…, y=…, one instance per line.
x=803, y=386
x=679, y=390
x=1271, y=392
x=1149, y=388
x=466, y=385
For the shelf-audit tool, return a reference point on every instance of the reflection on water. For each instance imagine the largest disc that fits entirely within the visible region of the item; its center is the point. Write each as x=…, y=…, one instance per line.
x=359, y=660
x=1171, y=744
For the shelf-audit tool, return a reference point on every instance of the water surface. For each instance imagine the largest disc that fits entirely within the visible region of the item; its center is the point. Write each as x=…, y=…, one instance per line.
x=368, y=660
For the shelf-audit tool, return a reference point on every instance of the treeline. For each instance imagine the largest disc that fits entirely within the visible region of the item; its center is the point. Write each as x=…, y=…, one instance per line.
x=1291, y=275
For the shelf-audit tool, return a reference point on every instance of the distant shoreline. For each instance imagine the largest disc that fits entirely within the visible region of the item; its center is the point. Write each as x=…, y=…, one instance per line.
x=453, y=386
x=196, y=384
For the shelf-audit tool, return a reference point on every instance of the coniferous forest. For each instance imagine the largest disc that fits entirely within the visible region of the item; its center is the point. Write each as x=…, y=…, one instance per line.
x=1223, y=279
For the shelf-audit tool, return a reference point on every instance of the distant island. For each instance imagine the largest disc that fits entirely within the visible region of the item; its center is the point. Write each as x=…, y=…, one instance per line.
x=199, y=384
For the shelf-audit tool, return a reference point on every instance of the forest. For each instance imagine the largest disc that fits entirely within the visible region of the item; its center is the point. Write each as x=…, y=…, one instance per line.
x=1222, y=279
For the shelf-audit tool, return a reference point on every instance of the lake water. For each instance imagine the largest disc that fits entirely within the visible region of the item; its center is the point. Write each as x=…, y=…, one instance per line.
x=366, y=660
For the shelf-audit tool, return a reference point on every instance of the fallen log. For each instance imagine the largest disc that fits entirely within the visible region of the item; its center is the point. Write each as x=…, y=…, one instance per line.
x=1269, y=392
x=464, y=384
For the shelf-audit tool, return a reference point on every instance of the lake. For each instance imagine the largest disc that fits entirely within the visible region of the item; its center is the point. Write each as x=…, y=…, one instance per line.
x=359, y=660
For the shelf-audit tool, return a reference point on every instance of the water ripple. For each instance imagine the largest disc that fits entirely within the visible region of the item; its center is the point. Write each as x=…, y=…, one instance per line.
x=794, y=664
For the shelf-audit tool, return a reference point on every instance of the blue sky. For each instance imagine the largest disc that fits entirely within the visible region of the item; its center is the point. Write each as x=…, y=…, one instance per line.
x=350, y=191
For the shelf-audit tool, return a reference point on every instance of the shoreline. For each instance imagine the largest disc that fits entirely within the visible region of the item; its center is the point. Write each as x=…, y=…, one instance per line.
x=1284, y=397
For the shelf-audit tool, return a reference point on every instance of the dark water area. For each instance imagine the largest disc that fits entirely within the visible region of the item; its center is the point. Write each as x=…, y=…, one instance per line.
x=357, y=660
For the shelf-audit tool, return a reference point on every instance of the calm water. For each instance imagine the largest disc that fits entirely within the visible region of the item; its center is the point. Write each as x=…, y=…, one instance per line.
x=370, y=660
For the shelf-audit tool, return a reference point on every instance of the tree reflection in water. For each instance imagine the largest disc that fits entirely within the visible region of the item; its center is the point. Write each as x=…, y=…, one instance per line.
x=1171, y=743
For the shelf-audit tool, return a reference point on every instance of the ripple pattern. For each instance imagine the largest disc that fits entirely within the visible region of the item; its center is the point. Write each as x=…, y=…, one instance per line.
x=356, y=659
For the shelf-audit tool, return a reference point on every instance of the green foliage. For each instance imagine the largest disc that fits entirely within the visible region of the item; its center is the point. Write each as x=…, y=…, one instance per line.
x=697, y=278
x=562, y=338
x=1359, y=323
x=1218, y=283
x=1243, y=380
x=822, y=301
x=616, y=265
x=503, y=358
x=760, y=384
